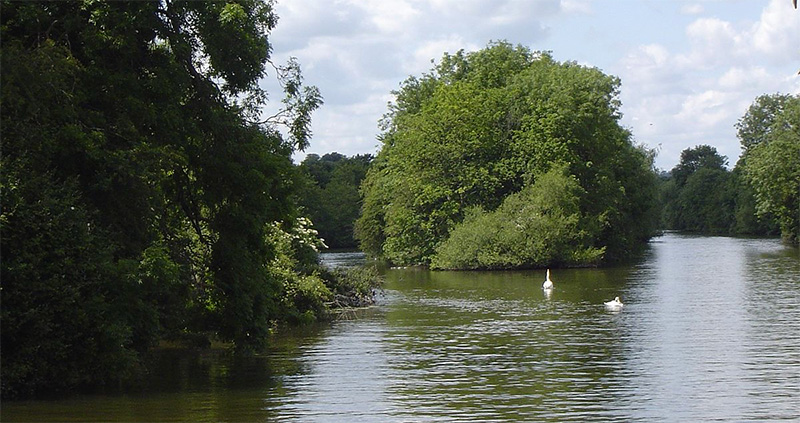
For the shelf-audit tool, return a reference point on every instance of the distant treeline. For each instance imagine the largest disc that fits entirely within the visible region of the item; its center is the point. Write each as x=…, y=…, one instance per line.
x=759, y=196
x=328, y=193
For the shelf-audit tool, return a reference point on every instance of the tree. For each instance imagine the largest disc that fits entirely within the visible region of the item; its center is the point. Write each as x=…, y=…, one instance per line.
x=694, y=159
x=329, y=194
x=482, y=126
x=772, y=165
x=538, y=226
x=756, y=125
x=143, y=119
x=699, y=196
x=746, y=215
x=706, y=202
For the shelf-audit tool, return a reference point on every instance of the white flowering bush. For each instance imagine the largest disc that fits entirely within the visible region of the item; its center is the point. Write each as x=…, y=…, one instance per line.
x=304, y=293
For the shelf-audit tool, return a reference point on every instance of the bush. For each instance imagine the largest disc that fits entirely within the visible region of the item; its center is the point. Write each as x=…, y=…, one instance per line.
x=538, y=226
x=354, y=287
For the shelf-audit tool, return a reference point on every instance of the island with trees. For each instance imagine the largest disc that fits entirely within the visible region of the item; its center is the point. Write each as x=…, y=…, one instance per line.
x=505, y=158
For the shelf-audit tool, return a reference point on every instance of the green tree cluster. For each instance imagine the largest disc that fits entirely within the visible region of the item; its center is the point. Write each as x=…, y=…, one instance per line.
x=142, y=195
x=499, y=135
x=760, y=196
x=770, y=136
x=328, y=194
x=537, y=226
x=698, y=194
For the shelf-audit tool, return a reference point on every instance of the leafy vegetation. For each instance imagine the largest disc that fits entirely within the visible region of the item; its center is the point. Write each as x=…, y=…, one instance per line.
x=328, y=195
x=699, y=194
x=479, y=133
x=770, y=136
x=760, y=195
x=537, y=226
x=144, y=198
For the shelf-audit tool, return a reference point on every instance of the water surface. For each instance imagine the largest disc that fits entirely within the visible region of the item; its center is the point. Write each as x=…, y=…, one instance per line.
x=710, y=331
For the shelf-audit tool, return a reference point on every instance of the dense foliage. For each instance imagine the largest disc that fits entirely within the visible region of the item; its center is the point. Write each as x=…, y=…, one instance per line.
x=760, y=196
x=329, y=196
x=770, y=137
x=699, y=193
x=535, y=227
x=466, y=145
x=142, y=197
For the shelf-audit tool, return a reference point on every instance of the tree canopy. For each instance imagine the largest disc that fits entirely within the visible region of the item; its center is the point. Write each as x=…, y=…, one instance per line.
x=699, y=195
x=770, y=137
x=482, y=126
x=328, y=194
x=143, y=194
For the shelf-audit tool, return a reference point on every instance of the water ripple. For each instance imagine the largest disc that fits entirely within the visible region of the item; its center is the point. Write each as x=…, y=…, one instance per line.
x=710, y=332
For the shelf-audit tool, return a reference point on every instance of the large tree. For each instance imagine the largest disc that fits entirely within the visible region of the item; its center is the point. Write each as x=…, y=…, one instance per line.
x=694, y=159
x=484, y=125
x=139, y=182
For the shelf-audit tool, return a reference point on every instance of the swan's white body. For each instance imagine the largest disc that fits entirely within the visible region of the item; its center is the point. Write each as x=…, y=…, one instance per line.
x=614, y=304
x=548, y=284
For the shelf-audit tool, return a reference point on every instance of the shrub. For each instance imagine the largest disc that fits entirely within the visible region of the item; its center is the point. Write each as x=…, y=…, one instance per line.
x=538, y=226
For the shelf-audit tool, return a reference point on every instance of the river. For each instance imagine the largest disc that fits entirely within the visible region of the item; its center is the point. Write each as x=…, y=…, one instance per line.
x=710, y=330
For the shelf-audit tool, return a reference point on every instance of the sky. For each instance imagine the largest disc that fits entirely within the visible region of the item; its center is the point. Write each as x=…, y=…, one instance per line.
x=689, y=69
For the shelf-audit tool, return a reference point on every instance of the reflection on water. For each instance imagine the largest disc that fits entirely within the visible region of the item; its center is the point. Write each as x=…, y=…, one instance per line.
x=710, y=331
x=716, y=333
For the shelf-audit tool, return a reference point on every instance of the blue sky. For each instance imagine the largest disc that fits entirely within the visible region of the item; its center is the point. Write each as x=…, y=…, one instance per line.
x=689, y=69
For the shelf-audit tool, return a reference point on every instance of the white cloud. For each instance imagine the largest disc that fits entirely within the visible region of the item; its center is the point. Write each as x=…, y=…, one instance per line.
x=576, y=6
x=738, y=78
x=713, y=42
x=689, y=69
x=692, y=9
x=706, y=109
x=342, y=128
x=772, y=38
x=777, y=33
x=393, y=17
x=680, y=96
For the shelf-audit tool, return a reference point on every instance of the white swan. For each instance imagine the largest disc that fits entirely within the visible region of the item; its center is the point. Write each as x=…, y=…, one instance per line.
x=614, y=304
x=548, y=284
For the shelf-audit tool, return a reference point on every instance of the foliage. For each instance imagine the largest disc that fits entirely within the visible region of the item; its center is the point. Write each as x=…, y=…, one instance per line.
x=139, y=182
x=746, y=217
x=353, y=287
x=699, y=194
x=538, y=226
x=64, y=324
x=706, y=202
x=310, y=291
x=328, y=193
x=694, y=159
x=771, y=163
x=303, y=293
x=755, y=126
x=480, y=127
